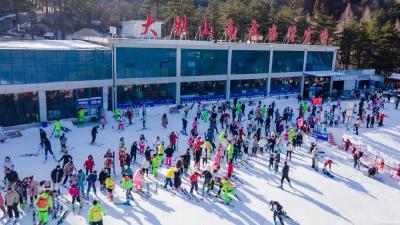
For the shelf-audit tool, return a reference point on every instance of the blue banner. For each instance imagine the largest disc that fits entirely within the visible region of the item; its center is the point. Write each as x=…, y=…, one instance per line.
x=92, y=102
x=319, y=135
x=248, y=95
x=202, y=98
x=149, y=103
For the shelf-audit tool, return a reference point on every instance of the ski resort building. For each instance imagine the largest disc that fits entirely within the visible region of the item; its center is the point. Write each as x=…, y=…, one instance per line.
x=45, y=80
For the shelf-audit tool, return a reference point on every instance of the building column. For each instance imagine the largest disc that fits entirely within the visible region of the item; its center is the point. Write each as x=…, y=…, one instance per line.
x=178, y=76
x=304, y=70
x=42, y=106
x=105, y=98
x=228, y=79
x=271, y=55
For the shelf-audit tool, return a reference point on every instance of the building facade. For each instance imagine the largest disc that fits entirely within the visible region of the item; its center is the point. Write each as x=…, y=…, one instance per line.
x=48, y=80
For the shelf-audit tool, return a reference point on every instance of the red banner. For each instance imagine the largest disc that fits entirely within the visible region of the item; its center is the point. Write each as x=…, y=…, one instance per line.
x=317, y=101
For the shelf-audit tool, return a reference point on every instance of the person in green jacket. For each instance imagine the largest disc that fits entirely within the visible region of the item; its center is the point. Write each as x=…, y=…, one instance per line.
x=117, y=114
x=43, y=203
x=305, y=108
x=291, y=134
x=227, y=189
x=205, y=115
x=238, y=108
x=155, y=163
x=231, y=150
x=127, y=184
x=57, y=128
x=96, y=214
x=263, y=111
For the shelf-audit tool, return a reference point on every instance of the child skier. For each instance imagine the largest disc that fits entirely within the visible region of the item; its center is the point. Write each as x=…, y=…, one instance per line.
x=127, y=184
x=75, y=194
x=109, y=183
x=43, y=203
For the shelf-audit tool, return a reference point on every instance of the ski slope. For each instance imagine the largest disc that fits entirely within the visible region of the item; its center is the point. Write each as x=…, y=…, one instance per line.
x=350, y=198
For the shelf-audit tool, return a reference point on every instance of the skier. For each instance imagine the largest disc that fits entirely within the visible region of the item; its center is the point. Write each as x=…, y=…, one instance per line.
x=63, y=142
x=75, y=194
x=2, y=206
x=81, y=182
x=94, y=134
x=168, y=177
x=314, y=154
x=102, y=179
x=155, y=163
x=89, y=164
x=127, y=184
x=96, y=214
x=56, y=177
x=184, y=125
x=109, y=183
x=47, y=149
x=277, y=209
x=12, y=199
x=44, y=202
x=285, y=174
x=57, y=128
x=43, y=137
x=68, y=169
x=134, y=148
x=91, y=181
x=65, y=158
x=227, y=189
x=8, y=164
x=169, y=153
x=164, y=120
x=81, y=115
x=138, y=180
x=328, y=163
x=194, y=182
x=129, y=114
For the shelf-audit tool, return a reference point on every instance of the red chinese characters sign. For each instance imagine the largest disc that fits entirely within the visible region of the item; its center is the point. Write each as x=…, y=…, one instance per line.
x=147, y=26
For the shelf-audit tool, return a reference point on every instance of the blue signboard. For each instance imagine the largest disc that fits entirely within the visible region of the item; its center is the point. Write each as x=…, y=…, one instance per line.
x=248, y=95
x=86, y=102
x=190, y=99
x=320, y=136
x=149, y=103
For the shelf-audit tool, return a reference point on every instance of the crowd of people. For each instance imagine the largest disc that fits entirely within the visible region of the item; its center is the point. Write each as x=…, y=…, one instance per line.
x=245, y=130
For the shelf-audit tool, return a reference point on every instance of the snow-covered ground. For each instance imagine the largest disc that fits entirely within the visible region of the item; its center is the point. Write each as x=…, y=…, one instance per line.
x=350, y=198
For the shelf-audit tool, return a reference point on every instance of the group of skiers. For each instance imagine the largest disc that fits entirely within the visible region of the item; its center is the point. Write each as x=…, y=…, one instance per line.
x=211, y=158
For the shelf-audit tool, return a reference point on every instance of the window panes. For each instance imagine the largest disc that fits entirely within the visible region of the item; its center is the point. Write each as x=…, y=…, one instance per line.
x=20, y=108
x=203, y=62
x=203, y=91
x=248, y=88
x=287, y=61
x=285, y=85
x=249, y=62
x=146, y=62
x=319, y=61
x=149, y=94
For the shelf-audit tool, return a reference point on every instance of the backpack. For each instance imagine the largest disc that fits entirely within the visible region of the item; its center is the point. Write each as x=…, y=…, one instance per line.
x=42, y=202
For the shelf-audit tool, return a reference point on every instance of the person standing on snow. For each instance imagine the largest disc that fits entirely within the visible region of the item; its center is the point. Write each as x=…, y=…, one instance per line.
x=12, y=200
x=314, y=154
x=57, y=128
x=127, y=184
x=94, y=134
x=277, y=209
x=44, y=202
x=43, y=137
x=91, y=181
x=96, y=214
x=285, y=174
x=75, y=194
x=63, y=142
x=164, y=120
x=47, y=149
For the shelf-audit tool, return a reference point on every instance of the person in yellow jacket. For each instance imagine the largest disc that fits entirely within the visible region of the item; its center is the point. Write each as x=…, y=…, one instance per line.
x=43, y=203
x=109, y=183
x=160, y=152
x=96, y=214
x=81, y=115
x=168, y=177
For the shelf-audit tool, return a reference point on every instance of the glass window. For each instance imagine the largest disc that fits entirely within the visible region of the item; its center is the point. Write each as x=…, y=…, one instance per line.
x=319, y=61
x=200, y=62
x=248, y=62
x=146, y=62
x=203, y=91
x=287, y=61
x=285, y=85
x=64, y=104
x=21, y=108
x=316, y=86
x=248, y=88
x=149, y=94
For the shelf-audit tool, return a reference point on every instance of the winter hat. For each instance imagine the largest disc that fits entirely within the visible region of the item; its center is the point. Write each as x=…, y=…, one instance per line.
x=80, y=171
x=94, y=202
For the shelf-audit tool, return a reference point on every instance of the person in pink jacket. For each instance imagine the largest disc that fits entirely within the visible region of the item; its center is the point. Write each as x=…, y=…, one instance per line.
x=33, y=189
x=74, y=192
x=218, y=157
x=2, y=206
x=138, y=179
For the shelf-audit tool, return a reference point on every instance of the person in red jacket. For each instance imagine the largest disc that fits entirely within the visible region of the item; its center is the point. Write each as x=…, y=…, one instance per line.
x=172, y=139
x=398, y=171
x=230, y=168
x=193, y=182
x=89, y=164
x=381, y=117
x=347, y=144
x=74, y=192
